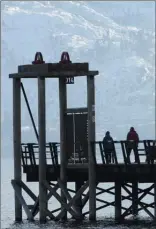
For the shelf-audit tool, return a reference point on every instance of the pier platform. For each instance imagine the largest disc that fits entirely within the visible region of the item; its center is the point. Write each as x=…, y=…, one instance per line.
x=120, y=169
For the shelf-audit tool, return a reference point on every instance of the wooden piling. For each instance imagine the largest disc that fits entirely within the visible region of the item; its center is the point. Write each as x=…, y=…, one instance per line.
x=78, y=202
x=42, y=149
x=63, y=153
x=117, y=201
x=17, y=143
x=135, y=198
x=91, y=137
x=155, y=200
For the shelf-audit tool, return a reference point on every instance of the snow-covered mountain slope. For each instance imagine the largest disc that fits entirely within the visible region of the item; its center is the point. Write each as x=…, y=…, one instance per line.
x=116, y=38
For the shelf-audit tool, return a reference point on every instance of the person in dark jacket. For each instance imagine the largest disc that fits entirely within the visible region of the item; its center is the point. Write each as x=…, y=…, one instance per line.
x=108, y=146
x=133, y=139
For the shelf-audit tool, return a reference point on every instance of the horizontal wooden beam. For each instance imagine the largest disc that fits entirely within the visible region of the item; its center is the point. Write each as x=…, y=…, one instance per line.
x=56, y=74
x=77, y=110
x=143, y=173
x=50, y=67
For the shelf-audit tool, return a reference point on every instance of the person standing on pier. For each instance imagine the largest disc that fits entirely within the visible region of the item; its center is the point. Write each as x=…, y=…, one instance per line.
x=133, y=139
x=108, y=146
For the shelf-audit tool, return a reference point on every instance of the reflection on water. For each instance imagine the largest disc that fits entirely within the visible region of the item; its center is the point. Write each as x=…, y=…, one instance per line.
x=108, y=224
x=7, y=207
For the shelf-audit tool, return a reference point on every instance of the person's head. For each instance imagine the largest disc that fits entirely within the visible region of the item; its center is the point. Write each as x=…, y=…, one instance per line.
x=132, y=129
x=107, y=133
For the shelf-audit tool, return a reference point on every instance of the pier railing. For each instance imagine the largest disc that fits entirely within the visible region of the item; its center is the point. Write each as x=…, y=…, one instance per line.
x=30, y=153
x=144, y=153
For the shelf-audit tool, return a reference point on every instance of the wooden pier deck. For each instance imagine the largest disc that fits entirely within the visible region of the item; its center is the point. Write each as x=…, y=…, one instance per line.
x=142, y=173
x=119, y=170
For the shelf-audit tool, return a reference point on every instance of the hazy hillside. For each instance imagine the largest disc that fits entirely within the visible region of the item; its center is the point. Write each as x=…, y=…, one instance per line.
x=116, y=38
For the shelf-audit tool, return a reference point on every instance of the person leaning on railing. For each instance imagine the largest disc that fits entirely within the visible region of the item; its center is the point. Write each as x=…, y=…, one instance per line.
x=108, y=146
x=133, y=141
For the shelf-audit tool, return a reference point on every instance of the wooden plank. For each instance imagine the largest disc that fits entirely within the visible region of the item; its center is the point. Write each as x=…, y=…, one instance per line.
x=102, y=152
x=61, y=200
x=24, y=159
x=54, y=190
x=27, y=190
x=50, y=214
x=142, y=173
x=79, y=192
x=21, y=200
x=53, y=74
x=52, y=153
x=140, y=190
x=31, y=154
x=115, y=155
x=138, y=200
x=77, y=110
x=147, y=211
x=55, y=150
x=35, y=210
x=78, y=201
x=136, y=154
x=85, y=199
x=50, y=67
x=123, y=147
x=66, y=193
x=56, y=210
x=105, y=190
x=64, y=190
x=103, y=206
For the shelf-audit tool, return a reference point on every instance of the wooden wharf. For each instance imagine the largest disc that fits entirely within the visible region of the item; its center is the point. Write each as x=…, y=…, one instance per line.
x=78, y=158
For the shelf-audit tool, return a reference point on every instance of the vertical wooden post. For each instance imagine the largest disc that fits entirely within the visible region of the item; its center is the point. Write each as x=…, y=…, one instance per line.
x=42, y=149
x=63, y=152
x=91, y=137
x=155, y=200
x=135, y=198
x=17, y=143
x=78, y=202
x=117, y=200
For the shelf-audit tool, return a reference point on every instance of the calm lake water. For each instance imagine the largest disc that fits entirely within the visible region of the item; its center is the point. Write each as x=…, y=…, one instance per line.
x=104, y=216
